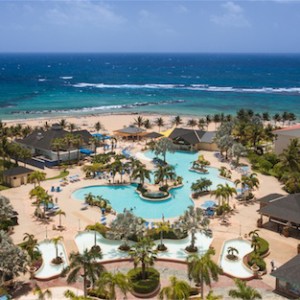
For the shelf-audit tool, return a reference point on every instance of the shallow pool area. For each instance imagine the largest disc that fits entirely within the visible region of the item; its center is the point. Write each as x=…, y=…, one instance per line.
x=176, y=248
x=125, y=197
x=236, y=268
x=48, y=269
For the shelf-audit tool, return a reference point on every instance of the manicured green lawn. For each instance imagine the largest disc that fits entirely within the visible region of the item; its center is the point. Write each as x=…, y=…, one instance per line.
x=61, y=175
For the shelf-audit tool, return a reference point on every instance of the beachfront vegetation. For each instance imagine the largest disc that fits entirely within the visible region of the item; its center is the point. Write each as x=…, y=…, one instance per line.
x=193, y=221
x=203, y=270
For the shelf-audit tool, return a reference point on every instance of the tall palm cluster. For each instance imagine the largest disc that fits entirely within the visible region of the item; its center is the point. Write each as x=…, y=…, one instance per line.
x=244, y=131
x=289, y=167
x=8, y=148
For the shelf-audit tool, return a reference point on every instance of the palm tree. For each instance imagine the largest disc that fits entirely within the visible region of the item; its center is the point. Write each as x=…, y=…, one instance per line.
x=71, y=127
x=211, y=296
x=178, y=290
x=201, y=185
x=177, y=121
x=63, y=123
x=87, y=261
x=68, y=140
x=30, y=245
x=111, y=281
x=147, y=124
x=202, y=269
x=60, y=213
x=139, y=121
x=42, y=295
x=98, y=126
x=191, y=123
x=55, y=241
x=290, y=158
x=192, y=220
x=57, y=145
x=140, y=171
x=71, y=295
x=159, y=122
x=164, y=173
x=232, y=252
x=223, y=193
x=142, y=253
x=201, y=123
x=36, y=177
x=160, y=229
x=244, y=292
x=255, y=241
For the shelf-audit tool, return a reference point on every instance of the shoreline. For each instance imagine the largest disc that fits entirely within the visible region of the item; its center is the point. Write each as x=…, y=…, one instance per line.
x=110, y=121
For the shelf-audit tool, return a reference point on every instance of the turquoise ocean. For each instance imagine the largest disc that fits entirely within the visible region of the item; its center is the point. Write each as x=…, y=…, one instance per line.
x=45, y=85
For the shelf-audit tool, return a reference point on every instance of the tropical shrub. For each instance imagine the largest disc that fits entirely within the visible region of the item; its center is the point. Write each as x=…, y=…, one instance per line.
x=147, y=285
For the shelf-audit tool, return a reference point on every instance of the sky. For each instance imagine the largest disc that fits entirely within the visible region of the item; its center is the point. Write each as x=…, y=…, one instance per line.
x=150, y=26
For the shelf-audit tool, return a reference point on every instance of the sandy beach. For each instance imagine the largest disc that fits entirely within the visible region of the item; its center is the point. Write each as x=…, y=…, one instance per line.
x=110, y=122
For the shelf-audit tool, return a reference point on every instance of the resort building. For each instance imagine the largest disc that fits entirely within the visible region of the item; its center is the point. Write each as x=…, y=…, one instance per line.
x=284, y=137
x=40, y=143
x=16, y=176
x=288, y=278
x=130, y=133
x=282, y=211
x=190, y=139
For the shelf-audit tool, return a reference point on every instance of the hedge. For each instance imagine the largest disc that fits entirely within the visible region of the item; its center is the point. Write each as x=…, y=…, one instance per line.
x=147, y=285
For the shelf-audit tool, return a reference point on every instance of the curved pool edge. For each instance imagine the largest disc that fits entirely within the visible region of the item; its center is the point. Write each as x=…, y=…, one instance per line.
x=241, y=261
x=43, y=265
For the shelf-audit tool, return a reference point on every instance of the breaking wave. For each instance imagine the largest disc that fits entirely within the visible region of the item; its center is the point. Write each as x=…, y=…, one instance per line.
x=97, y=108
x=196, y=87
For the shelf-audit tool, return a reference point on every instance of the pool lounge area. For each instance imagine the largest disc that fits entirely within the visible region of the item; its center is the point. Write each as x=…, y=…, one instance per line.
x=125, y=196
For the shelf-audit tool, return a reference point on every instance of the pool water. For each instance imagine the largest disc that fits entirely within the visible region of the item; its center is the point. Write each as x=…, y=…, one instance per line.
x=48, y=251
x=176, y=248
x=125, y=197
x=236, y=268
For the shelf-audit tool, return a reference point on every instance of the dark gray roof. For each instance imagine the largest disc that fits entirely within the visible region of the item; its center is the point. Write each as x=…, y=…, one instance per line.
x=40, y=139
x=284, y=208
x=192, y=136
x=131, y=130
x=153, y=135
x=270, y=197
x=17, y=171
x=290, y=271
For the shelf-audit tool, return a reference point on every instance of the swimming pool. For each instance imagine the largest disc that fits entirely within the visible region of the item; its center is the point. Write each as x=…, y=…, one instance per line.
x=48, y=251
x=176, y=248
x=236, y=268
x=125, y=197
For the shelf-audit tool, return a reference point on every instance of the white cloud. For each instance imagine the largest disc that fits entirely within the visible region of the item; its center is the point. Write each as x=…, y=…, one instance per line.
x=83, y=12
x=233, y=16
